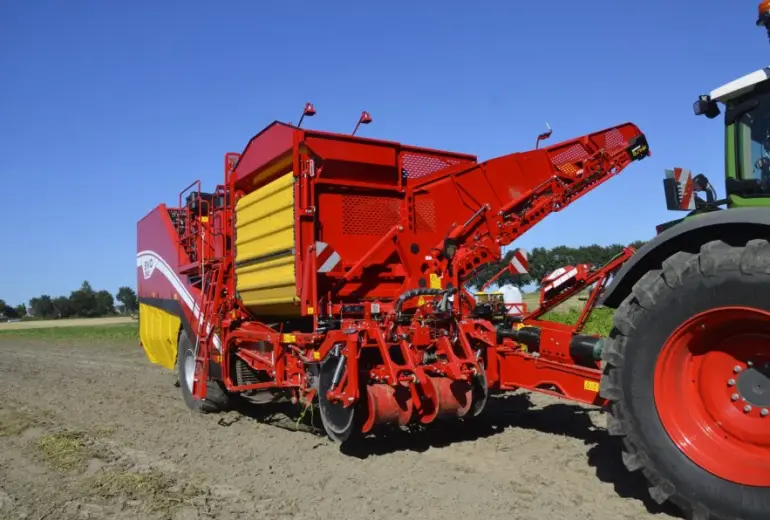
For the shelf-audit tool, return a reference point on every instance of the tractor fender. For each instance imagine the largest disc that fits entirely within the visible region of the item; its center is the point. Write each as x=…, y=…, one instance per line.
x=733, y=226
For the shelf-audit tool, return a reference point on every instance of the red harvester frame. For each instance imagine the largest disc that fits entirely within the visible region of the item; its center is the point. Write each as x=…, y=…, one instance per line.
x=389, y=331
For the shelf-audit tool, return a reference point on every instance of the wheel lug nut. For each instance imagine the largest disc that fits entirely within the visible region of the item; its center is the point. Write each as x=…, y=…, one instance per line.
x=737, y=369
x=747, y=408
x=734, y=397
x=731, y=382
x=764, y=412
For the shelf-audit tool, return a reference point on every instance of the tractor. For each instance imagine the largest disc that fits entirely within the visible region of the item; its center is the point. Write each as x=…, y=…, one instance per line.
x=687, y=365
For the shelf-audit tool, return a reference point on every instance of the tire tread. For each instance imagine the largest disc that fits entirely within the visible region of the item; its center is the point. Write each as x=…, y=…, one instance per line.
x=217, y=398
x=715, y=258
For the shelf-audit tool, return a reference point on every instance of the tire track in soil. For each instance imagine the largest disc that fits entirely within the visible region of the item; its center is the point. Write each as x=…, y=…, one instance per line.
x=528, y=458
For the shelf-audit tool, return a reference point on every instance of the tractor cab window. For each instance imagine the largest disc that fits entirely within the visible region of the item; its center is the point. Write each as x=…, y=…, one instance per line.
x=753, y=139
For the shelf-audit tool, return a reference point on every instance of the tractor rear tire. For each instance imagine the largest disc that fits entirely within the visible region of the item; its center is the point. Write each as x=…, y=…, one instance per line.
x=686, y=374
x=217, y=398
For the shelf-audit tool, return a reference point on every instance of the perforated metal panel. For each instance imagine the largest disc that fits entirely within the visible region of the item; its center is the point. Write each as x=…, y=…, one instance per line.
x=364, y=215
x=425, y=214
x=567, y=160
x=419, y=165
x=614, y=139
x=574, y=153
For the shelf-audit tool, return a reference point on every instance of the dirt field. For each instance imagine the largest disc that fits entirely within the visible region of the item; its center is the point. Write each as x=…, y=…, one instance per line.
x=95, y=431
x=75, y=322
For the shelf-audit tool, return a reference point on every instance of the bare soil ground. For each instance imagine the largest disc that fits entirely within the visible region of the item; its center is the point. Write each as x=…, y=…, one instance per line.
x=96, y=431
x=74, y=322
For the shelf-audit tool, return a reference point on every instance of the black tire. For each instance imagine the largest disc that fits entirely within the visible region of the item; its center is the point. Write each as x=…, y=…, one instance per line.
x=480, y=392
x=719, y=275
x=342, y=425
x=217, y=399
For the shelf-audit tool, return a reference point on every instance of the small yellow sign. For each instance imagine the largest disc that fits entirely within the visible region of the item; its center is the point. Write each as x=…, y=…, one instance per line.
x=204, y=219
x=316, y=355
x=435, y=281
x=289, y=338
x=591, y=386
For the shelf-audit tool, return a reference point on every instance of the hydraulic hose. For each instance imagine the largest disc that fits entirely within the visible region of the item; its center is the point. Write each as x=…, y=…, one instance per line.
x=529, y=336
x=412, y=293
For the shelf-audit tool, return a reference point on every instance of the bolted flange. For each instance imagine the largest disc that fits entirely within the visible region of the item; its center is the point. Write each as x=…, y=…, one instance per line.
x=753, y=386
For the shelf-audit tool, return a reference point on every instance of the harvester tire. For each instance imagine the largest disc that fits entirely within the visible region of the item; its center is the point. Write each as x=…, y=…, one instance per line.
x=217, y=399
x=681, y=342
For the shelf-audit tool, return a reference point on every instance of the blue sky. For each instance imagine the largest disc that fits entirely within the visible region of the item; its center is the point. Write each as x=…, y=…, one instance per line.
x=108, y=108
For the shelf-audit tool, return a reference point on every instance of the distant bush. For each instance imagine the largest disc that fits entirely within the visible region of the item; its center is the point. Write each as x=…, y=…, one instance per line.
x=85, y=302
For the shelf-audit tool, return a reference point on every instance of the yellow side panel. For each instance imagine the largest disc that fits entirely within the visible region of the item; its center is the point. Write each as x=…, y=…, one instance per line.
x=264, y=242
x=158, y=332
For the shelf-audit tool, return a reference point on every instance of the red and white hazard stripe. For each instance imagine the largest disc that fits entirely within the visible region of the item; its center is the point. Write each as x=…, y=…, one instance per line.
x=683, y=179
x=327, y=259
x=559, y=277
x=520, y=262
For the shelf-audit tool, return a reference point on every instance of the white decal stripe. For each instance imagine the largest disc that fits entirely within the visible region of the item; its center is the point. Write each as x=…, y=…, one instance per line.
x=330, y=263
x=556, y=273
x=179, y=287
x=563, y=278
x=518, y=266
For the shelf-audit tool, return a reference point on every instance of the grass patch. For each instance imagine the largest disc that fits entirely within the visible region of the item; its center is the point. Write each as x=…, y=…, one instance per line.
x=63, y=451
x=599, y=322
x=153, y=488
x=120, y=332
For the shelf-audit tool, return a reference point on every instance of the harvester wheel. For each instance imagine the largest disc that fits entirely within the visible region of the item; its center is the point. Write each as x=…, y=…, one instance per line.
x=217, y=398
x=688, y=377
x=480, y=392
x=338, y=421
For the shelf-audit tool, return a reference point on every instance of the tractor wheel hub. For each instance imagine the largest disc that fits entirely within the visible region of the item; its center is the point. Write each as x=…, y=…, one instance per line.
x=754, y=386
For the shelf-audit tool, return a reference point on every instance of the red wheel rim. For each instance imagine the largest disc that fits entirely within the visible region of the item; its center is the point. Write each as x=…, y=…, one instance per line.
x=711, y=391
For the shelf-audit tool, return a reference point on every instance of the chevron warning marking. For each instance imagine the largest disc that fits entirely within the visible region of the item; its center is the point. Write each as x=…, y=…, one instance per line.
x=559, y=277
x=327, y=259
x=520, y=262
x=685, y=187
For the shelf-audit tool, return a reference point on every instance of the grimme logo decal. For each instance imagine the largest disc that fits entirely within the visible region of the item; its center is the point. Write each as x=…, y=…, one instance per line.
x=148, y=266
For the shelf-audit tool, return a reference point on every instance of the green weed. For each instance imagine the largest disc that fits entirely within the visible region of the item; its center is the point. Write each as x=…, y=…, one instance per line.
x=63, y=451
x=599, y=322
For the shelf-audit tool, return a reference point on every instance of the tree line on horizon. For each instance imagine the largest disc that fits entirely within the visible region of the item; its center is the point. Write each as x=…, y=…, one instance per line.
x=84, y=302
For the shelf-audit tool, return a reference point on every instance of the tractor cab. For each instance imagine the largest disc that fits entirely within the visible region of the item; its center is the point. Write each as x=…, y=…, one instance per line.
x=746, y=105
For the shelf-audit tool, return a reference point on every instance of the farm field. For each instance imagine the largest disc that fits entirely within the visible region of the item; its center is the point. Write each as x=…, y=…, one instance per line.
x=74, y=322
x=91, y=429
